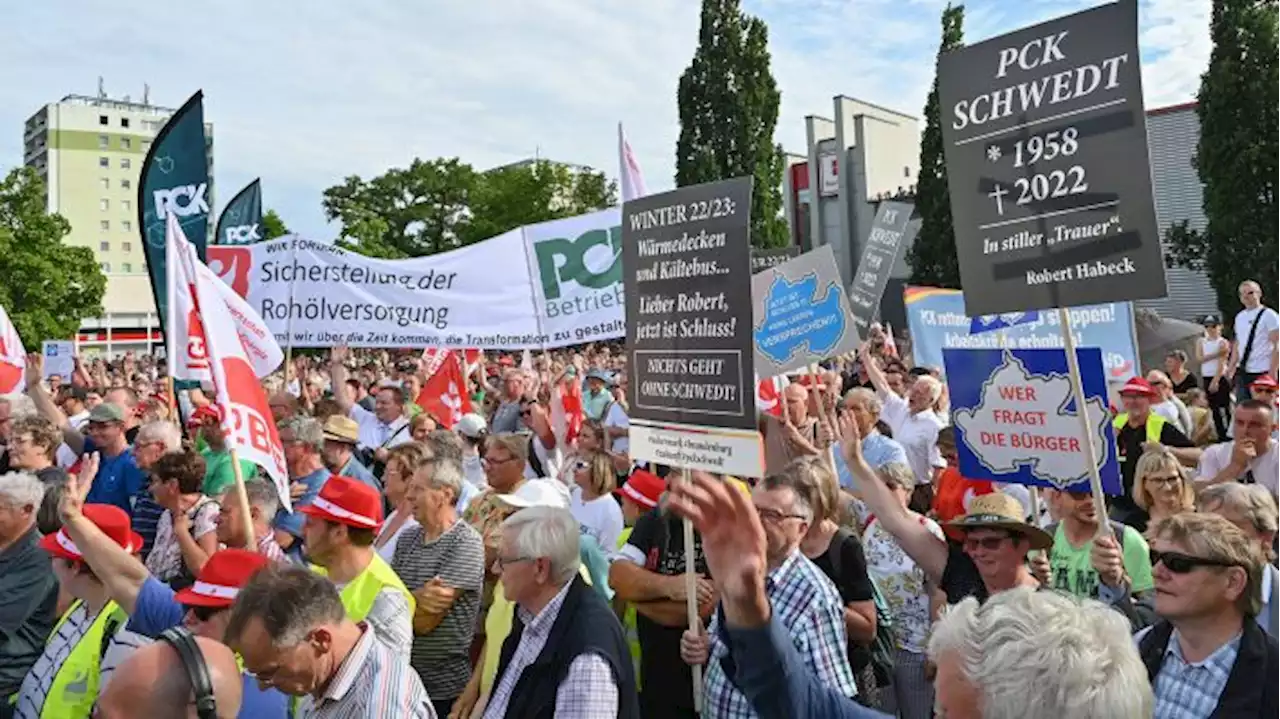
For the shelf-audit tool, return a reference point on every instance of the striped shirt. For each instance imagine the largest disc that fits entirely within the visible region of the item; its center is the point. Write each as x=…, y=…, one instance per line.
x=269, y=548
x=145, y=519
x=36, y=685
x=373, y=682
x=809, y=608
x=588, y=690
x=442, y=656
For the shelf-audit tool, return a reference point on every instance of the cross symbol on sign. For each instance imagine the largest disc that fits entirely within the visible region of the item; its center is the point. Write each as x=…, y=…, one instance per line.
x=453, y=401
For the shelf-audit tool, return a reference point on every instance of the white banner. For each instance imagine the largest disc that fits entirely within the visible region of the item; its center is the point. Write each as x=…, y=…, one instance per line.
x=547, y=285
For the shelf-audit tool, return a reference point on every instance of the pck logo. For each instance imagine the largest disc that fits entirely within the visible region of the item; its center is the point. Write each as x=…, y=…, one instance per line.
x=183, y=200
x=232, y=264
x=594, y=260
x=242, y=234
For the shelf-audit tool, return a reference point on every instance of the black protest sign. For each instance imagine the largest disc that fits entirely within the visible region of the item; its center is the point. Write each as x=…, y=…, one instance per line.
x=687, y=278
x=762, y=260
x=1046, y=147
x=885, y=243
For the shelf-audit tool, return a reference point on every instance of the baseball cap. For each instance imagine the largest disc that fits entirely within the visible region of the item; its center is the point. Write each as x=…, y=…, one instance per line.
x=106, y=412
x=1210, y=321
x=471, y=425
x=207, y=412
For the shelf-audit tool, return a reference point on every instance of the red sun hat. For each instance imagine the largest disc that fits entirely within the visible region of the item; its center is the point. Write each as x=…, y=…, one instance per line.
x=209, y=411
x=107, y=517
x=347, y=501
x=1265, y=382
x=221, y=577
x=1139, y=387
x=644, y=488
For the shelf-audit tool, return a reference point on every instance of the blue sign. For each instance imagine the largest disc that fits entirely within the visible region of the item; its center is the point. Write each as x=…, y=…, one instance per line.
x=937, y=321
x=987, y=323
x=1016, y=420
x=801, y=314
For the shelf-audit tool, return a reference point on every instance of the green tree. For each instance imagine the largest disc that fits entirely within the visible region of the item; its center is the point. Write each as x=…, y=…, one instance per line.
x=728, y=113
x=933, y=255
x=443, y=204
x=1236, y=157
x=273, y=226
x=48, y=287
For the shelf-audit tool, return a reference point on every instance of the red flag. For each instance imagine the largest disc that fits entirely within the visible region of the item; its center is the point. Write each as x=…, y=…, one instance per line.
x=444, y=396
x=769, y=395
x=432, y=358
x=13, y=358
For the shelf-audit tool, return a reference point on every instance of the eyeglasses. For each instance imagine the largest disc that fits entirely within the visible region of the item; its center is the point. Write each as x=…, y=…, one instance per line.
x=504, y=562
x=581, y=464
x=773, y=516
x=1180, y=563
x=990, y=544
x=1167, y=481
x=490, y=461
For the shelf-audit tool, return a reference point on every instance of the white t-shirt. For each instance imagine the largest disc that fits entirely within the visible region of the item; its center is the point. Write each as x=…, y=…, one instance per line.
x=1259, y=359
x=917, y=433
x=1169, y=411
x=617, y=417
x=1265, y=467
x=388, y=550
x=550, y=459
x=1208, y=347
x=600, y=518
x=473, y=471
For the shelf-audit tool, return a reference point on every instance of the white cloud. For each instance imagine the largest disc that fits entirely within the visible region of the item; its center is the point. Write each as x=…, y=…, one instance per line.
x=303, y=95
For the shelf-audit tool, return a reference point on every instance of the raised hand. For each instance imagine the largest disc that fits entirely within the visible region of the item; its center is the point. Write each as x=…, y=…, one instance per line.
x=77, y=488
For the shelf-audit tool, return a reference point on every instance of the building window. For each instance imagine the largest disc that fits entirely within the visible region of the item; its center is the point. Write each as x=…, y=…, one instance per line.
x=126, y=143
x=104, y=162
x=126, y=206
x=104, y=246
x=126, y=183
x=906, y=172
x=106, y=183
x=126, y=225
x=106, y=267
x=124, y=163
x=146, y=144
x=127, y=246
x=105, y=225
x=102, y=120
x=103, y=142
x=104, y=204
x=126, y=268
x=124, y=122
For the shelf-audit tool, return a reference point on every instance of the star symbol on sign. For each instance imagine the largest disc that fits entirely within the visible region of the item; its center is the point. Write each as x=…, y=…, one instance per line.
x=993, y=153
x=165, y=163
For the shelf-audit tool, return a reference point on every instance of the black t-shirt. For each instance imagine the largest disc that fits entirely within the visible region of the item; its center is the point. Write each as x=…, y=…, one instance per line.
x=960, y=578
x=664, y=676
x=1129, y=444
x=131, y=434
x=852, y=582
x=1188, y=383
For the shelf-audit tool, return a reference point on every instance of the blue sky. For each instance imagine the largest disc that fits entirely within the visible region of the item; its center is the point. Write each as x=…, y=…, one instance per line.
x=303, y=94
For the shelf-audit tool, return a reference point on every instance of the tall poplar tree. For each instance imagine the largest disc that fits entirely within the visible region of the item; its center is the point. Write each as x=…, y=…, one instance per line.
x=1236, y=157
x=933, y=255
x=728, y=113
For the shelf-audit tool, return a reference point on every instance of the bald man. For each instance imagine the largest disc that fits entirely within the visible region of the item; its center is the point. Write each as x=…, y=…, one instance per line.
x=784, y=442
x=152, y=682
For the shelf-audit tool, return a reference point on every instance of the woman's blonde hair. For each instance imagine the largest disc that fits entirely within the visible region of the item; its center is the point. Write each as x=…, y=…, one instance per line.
x=813, y=478
x=1152, y=462
x=601, y=477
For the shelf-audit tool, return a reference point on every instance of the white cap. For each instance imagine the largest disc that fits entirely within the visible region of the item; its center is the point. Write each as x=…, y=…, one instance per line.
x=538, y=493
x=471, y=425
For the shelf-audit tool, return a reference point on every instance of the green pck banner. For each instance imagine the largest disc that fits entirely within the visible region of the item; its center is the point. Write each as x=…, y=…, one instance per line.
x=241, y=220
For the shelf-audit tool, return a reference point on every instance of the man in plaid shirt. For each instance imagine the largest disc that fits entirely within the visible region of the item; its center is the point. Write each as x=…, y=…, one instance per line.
x=804, y=600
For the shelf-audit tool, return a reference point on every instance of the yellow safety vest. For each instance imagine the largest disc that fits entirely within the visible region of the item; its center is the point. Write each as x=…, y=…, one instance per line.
x=75, y=685
x=1155, y=425
x=359, y=594
x=629, y=617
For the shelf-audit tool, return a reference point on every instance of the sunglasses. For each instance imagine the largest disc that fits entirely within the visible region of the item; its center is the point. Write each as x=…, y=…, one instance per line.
x=1180, y=563
x=990, y=544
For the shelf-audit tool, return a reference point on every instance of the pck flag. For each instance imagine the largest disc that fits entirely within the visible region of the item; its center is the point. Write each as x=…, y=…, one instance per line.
x=175, y=181
x=13, y=358
x=186, y=345
x=631, y=179
x=246, y=418
x=241, y=220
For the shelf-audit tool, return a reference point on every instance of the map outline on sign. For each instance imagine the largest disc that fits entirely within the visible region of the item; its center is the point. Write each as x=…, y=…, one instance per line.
x=801, y=314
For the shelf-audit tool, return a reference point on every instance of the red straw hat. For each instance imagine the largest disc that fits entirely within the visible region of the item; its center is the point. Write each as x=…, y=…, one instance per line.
x=221, y=577
x=1265, y=382
x=1138, y=386
x=347, y=501
x=644, y=488
x=107, y=517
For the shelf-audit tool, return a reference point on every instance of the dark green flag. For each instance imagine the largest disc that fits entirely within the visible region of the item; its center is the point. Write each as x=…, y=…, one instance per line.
x=241, y=221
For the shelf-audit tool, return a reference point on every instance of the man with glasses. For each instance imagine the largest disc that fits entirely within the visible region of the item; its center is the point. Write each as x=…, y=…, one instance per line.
x=303, y=440
x=1207, y=656
x=153, y=606
x=804, y=600
x=1256, y=349
x=1253, y=457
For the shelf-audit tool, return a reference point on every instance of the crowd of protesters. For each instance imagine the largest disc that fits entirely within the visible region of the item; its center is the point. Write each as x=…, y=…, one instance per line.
x=497, y=566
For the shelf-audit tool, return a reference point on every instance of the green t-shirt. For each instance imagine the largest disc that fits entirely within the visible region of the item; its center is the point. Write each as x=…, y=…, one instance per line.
x=218, y=473
x=1072, y=571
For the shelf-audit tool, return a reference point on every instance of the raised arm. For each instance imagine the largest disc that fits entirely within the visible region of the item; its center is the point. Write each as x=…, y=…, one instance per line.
x=338, y=377
x=45, y=404
x=121, y=574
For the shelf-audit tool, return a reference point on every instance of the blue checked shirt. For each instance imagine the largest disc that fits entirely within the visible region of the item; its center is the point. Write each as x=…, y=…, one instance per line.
x=878, y=450
x=810, y=611
x=1191, y=691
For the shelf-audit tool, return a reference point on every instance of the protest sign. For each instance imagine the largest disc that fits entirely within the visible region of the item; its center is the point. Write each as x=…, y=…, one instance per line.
x=59, y=358
x=801, y=316
x=689, y=336
x=937, y=321
x=885, y=243
x=1046, y=147
x=1016, y=420
x=762, y=260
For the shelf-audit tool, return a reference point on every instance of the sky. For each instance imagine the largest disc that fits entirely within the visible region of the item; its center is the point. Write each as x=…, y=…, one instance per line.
x=305, y=94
